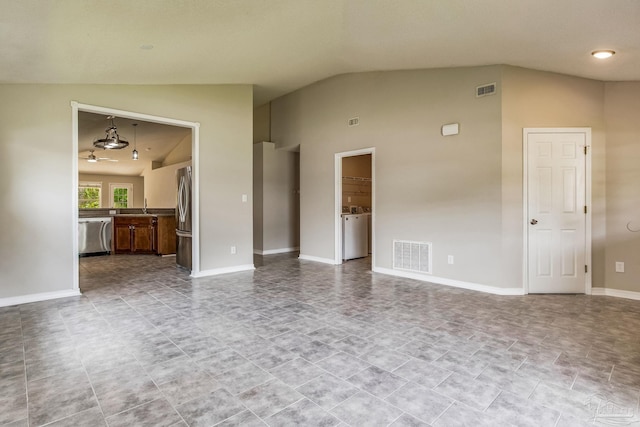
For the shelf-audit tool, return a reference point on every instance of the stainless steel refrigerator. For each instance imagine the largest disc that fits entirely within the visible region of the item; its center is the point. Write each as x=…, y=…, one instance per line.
x=183, y=218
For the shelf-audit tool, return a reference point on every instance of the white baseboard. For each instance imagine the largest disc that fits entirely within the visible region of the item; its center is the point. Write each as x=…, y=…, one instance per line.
x=223, y=270
x=615, y=293
x=275, y=251
x=317, y=259
x=25, y=299
x=450, y=282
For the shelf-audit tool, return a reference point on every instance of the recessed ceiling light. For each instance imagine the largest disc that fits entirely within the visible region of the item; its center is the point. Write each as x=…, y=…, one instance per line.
x=603, y=54
x=146, y=46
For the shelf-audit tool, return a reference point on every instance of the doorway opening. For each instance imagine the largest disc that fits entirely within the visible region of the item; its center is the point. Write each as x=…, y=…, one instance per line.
x=355, y=205
x=557, y=210
x=76, y=110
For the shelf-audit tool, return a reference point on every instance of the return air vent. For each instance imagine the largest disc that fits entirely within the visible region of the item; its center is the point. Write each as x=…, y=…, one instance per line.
x=412, y=256
x=484, y=90
x=355, y=121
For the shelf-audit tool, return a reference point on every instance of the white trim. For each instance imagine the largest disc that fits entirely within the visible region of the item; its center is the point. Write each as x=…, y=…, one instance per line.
x=223, y=270
x=338, y=202
x=26, y=299
x=587, y=201
x=618, y=293
x=450, y=282
x=275, y=251
x=195, y=161
x=195, y=182
x=75, y=252
x=318, y=259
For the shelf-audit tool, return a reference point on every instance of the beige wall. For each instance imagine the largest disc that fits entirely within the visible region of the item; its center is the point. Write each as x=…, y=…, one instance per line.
x=35, y=124
x=276, y=198
x=428, y=187
x=160, y=187
x=622, y=113
x=258, y=197
x=463, y=193
x=541, y=99
x=137, y=181
x=262, y=123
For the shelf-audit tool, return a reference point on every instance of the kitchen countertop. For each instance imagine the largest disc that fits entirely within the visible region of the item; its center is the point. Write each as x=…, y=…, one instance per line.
x=142, y=214
x=105, y=212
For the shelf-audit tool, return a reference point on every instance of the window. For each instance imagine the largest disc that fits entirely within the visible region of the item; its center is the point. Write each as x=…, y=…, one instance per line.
x=89, y=195
x=121, y=195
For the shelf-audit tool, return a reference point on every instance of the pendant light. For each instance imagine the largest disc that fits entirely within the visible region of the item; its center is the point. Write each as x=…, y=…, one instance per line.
x=112, y=141
x=134, y=154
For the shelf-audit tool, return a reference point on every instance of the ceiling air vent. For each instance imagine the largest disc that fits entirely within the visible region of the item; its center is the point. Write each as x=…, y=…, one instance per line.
x=355, y=121
x=484, y=90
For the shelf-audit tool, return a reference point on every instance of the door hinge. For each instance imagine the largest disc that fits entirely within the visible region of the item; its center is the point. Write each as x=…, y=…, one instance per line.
x=585, y=150
x=585, y=209
x=586, y=269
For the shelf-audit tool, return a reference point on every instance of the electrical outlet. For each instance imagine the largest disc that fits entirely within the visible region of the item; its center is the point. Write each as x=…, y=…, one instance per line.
x=112, y=212
x=233, y=250
x=619, y=267
x=450, y=259
x=244, y=198
x=348, y=199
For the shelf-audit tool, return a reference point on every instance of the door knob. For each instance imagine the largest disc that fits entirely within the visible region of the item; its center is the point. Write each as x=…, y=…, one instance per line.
x=534, y=221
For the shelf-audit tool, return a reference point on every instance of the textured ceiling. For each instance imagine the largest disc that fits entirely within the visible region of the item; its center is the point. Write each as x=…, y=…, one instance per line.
x=282, y=45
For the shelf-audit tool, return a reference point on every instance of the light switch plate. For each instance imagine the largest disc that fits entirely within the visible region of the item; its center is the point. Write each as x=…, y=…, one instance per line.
x=619, y=267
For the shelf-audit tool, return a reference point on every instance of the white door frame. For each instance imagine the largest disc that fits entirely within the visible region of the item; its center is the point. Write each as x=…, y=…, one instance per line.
x=338, y=202
x=195, y=147
x=525, y=200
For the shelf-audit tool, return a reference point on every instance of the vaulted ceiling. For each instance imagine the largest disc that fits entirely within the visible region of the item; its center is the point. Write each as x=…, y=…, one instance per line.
x=282, y=45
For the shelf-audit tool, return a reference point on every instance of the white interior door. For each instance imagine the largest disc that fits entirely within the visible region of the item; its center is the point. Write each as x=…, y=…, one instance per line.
x=556, y=211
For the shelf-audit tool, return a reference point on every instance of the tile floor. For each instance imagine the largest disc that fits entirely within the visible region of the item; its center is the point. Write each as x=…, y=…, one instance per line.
x=297, y=343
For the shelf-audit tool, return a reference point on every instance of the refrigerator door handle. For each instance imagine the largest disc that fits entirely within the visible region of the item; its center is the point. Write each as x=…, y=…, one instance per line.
x=183, y=197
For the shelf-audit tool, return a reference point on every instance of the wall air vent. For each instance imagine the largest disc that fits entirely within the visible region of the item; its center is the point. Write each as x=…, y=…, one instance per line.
x=355, y=121
x=484, y=90
x=412, y=256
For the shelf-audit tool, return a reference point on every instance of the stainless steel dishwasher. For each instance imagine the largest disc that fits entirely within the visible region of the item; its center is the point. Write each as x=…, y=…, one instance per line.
x=94, y=236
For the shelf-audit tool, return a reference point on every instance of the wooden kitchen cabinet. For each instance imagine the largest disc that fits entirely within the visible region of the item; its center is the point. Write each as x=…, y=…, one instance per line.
x=134, y=234
x=144, y=234
x=166, y=235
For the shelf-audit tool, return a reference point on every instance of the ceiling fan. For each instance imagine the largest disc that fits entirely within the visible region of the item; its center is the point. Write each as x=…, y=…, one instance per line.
x=91, y=158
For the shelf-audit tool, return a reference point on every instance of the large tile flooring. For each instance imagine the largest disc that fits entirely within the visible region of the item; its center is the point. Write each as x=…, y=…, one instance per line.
x=297, y=343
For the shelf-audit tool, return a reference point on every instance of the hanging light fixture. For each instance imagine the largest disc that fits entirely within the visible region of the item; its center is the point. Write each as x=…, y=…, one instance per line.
x=112, y=140
x=134, y=154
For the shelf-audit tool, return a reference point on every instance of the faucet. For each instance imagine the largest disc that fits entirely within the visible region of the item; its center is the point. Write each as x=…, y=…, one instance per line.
x=144, y=209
